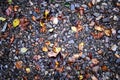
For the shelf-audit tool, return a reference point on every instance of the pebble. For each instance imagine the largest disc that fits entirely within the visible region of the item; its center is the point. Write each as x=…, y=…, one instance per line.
x=4, y=27
x=115, y=18
x=107, y=19
x=55, y=20
x=72, y=7
x=71, y=42
x=118, y=60
x=118, y=36
x=118, y=31
x=114, y=47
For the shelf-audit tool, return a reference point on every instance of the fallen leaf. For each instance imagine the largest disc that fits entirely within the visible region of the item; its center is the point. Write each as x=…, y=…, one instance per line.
x=12, y=39
x=23, y=50
x=56, y=49
x=81, y=11
x=74, y=29
x=2, y=19
x=23, y=23
x=9, y=10
x=95, y=61
x=45, y=49
x=81, y=46
x=47, y=43
x=104, y=68
x=16, y=7
x=97, y=35
x=36, y=57
x=52, y=54
x=46, y=13
x=90, y=4
x=117, y=55
x=27, y=70
x=16, y=22
x=19, y=64
x=108, y=32
x=80, y=77
x=99, y=28
x=33, y=18
x=79, y=27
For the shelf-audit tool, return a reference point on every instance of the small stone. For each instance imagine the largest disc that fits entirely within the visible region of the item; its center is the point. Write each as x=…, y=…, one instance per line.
x=114, y=47
x=118, y=60
x=115, y=18
x=118, y=31
x=71, y=41
x=55, y=20
x=118, y=36
x=107, y=19
x=74, y=29
x=72, y=7
x=4, y=27
x=113, y=31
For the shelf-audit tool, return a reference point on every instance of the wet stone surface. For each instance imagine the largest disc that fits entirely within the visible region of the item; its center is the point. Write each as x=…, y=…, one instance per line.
x=59, y=40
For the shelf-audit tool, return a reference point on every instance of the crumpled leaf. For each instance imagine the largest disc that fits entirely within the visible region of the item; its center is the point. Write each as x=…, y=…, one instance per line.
x=74, y=29
x=45, y=49
x=46, y=13
x=81, y=46
x=18, y=64
x=95, y=61
x=27, y=70
x=52, y=54
x=104, y=68
x=16, y=22
x=2, y=19
x=108, y=32
x=56, y=49
x=98, y=35
x=80, y=77
x=23, y=50
x=99, y=28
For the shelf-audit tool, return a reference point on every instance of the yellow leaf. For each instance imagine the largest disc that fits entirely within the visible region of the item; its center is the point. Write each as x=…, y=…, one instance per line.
x=80, y=77
x=74, y=29
x=42, y=24
x=2, y=19
x=46, y=13
x=16, y=22
x=45, y=49
x=27, y=70
x=57, y=49
x=81, y=45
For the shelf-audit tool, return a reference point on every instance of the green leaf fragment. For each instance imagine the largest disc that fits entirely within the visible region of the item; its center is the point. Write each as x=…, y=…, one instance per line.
x=67, y=4
x=2, y=19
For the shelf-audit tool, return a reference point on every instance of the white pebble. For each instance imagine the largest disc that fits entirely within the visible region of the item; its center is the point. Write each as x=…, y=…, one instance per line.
x=55, y=20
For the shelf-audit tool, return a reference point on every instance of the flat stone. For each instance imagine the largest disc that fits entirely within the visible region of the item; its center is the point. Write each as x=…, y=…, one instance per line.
x=107, y=19
x=71, y=41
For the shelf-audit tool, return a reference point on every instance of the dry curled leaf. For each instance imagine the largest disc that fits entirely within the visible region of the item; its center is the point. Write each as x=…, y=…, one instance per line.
x=16, y=22
x=46, y=13
x=74, y=29
x=36, y=57
x=81, y=46
x=108, y=32
x=12, y=39
x=33, y=18
x=45, y=49
x=95, y=61
x=56, y=49
x=27, y=70
x=23, y=23
x=104, y=68
x=79, y=27
x=97, y=35
x=99, y=28
x=16, y=7
x=47, y=43
x=9, y=10
x=19, y=64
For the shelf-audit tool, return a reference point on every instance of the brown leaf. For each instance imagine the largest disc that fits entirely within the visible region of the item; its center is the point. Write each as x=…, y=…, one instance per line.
x=95, y=61
x=45, y=49
x=90, y=4
x=33, y=18
x=104, y=68
x=36, y=57
x=18, y=64
x=108, y=32
x=47, y=43
x=12, y=39
x=97, y=35
x=9, y=10
x=16, y=7
x=81, y=11
x=52, y=54
x=23, y=23
x=99, y=28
